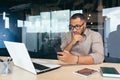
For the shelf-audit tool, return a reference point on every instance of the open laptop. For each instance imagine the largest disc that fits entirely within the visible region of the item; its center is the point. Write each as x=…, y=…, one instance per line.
x=21, y=58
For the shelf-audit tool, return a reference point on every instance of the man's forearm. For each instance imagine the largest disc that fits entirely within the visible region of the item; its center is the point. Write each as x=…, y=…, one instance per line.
x=69, y=46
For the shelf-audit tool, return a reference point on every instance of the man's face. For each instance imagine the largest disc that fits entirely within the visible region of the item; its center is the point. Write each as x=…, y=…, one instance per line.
x=77, y=25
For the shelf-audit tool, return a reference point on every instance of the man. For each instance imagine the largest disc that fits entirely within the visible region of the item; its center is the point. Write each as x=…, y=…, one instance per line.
x=81, y=45
x=114, y=43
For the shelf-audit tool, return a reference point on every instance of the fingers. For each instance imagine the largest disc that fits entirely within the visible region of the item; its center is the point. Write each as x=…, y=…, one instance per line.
x=60, y=53
x=66, y=51
x=61, y=56
x=78, y=37
x=81, y=38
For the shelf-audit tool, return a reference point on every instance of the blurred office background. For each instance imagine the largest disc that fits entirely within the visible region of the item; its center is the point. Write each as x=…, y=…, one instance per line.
x=40, y=24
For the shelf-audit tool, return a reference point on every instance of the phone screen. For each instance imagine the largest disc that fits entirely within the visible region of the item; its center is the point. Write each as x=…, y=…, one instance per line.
x=57, y=48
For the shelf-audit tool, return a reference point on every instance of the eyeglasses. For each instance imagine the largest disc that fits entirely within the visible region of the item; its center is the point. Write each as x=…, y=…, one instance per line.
x=77, y=27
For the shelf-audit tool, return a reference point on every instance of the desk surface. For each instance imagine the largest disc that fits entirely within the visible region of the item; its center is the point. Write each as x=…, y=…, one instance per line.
x=62, y=73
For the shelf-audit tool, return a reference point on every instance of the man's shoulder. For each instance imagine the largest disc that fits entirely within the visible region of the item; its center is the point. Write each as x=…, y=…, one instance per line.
x=92, y=31
x=68, y=33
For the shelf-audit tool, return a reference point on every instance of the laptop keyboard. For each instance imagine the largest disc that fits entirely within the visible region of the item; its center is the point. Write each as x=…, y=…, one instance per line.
x=39, y=66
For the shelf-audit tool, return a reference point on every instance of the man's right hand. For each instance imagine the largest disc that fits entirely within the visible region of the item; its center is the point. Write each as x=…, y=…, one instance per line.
x=77, y=38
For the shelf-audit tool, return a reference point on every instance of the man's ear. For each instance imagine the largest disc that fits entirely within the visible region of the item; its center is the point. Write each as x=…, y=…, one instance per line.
x=82, y=30
x=84, y=27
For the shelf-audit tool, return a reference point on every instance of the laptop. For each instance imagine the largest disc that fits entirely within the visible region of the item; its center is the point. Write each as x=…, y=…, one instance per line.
x=21, y=58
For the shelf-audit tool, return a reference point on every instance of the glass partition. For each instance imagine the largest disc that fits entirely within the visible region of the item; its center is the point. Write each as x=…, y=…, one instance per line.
x=44, y=31
x=112, y=31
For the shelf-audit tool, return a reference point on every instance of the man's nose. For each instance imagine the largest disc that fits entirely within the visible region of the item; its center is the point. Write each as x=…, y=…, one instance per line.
x=74, y=29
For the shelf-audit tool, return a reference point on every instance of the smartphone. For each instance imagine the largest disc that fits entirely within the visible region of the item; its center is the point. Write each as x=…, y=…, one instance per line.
x=58, y=49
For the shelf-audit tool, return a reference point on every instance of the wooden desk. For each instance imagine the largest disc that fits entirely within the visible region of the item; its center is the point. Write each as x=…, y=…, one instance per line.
x=62, y=73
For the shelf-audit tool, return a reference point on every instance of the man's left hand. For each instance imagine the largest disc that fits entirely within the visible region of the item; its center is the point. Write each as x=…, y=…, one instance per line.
x=67, y=57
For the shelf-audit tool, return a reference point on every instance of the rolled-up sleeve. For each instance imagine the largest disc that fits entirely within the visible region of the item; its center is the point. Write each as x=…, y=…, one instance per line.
x=97, y=48
x=65, y=40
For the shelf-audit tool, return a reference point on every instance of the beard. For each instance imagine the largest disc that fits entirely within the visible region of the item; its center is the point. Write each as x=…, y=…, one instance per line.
x=76, y=33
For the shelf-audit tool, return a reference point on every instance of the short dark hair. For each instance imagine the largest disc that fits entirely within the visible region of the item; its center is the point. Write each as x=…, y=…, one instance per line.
x=78, y=15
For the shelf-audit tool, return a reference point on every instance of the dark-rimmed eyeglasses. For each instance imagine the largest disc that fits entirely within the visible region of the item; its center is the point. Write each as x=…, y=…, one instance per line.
x=77, y=27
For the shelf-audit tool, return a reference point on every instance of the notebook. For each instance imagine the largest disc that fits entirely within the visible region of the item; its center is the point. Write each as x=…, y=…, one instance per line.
x=85, y=72
x=21, y=58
